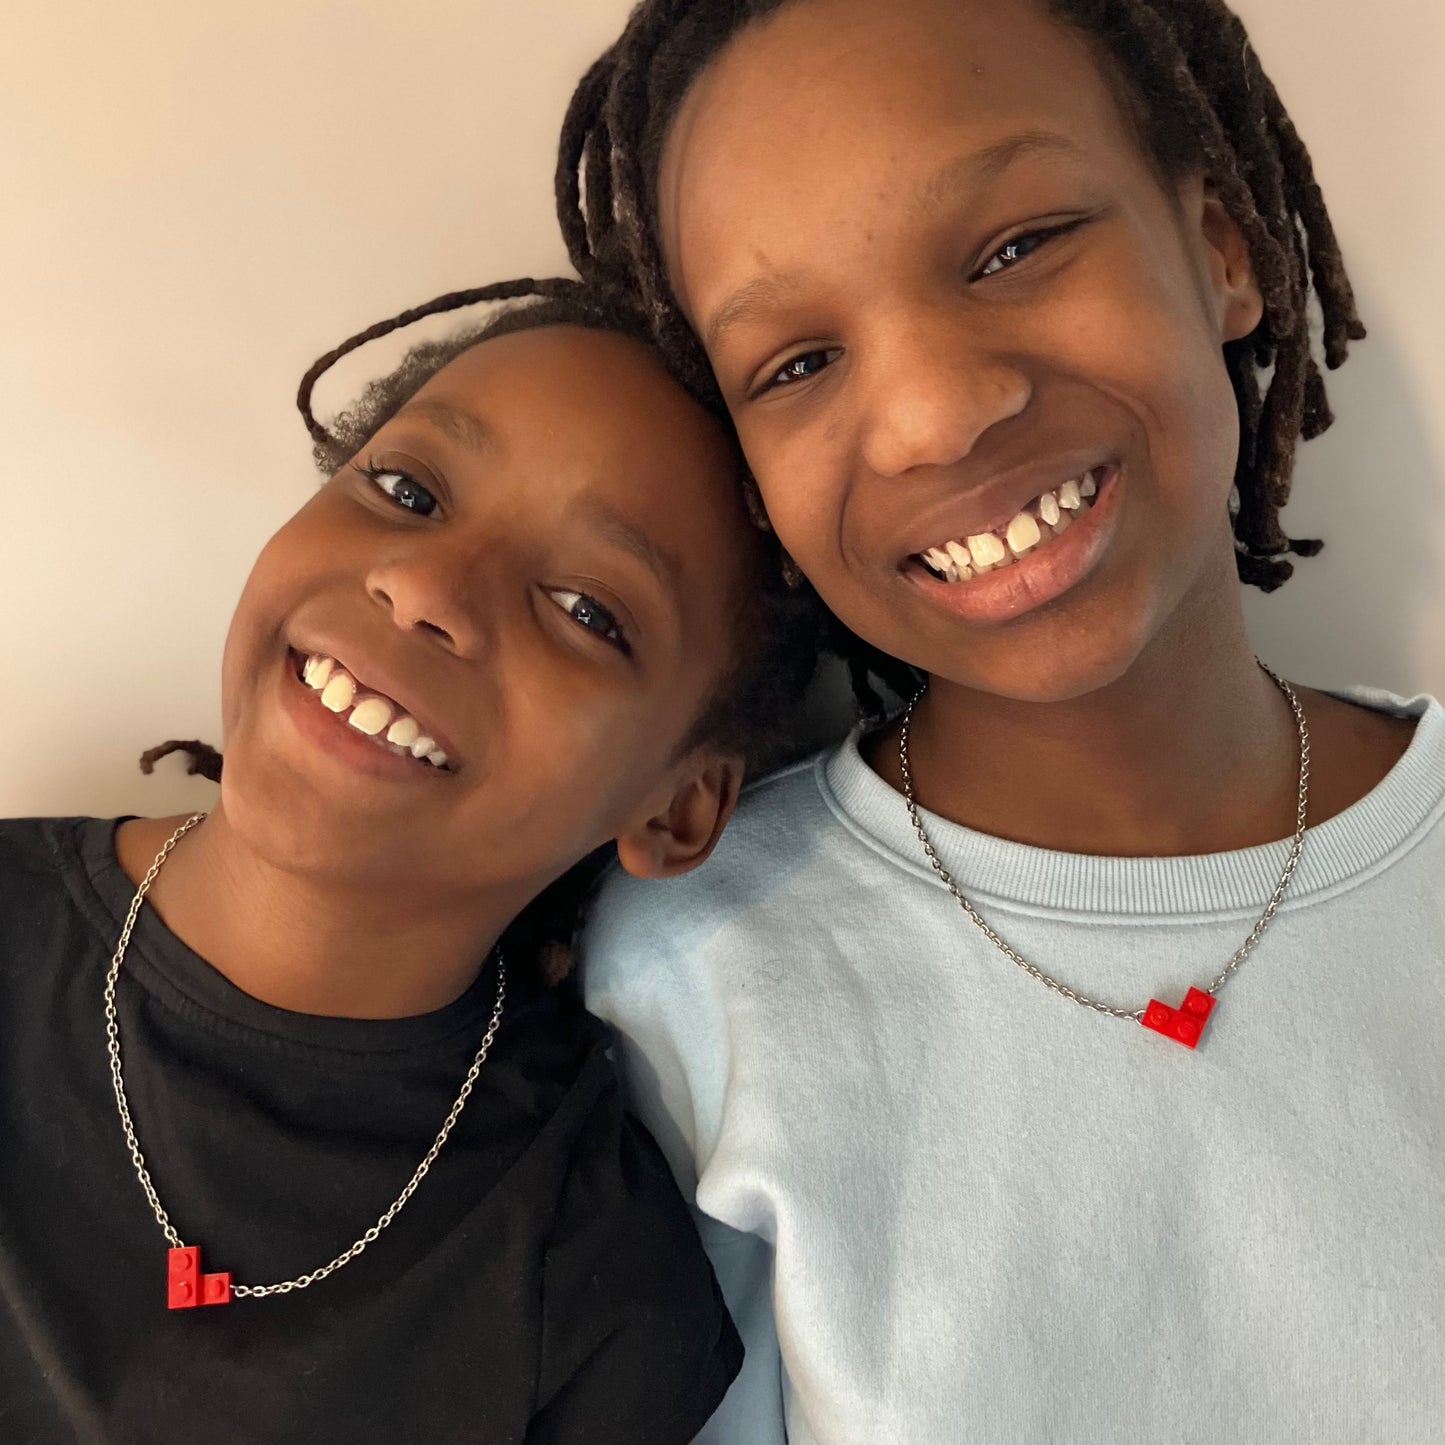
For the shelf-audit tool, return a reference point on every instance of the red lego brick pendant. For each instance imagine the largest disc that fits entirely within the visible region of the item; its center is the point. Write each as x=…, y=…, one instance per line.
x=187, y=1287
x=1185, y=1024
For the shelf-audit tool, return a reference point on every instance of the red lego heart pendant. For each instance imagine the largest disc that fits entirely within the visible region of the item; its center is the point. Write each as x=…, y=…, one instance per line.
x=1185, y=1024
x=187, y=1287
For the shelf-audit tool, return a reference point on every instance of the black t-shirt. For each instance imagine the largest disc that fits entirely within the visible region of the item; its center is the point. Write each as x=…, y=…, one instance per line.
x=544, y=1284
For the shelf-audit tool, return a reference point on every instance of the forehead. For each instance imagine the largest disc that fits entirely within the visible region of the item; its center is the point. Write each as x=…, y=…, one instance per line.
x=582, y=424
x=594, y=409
x=828, y=107
x=573, y=392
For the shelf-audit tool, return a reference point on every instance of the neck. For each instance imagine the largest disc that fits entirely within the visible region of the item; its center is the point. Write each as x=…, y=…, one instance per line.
x=308, y=945
x=1192, y=750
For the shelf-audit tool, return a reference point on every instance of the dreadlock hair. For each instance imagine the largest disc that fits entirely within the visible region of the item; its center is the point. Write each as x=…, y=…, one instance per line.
x=204, y=762
x=779, y=631
x=1194, y=90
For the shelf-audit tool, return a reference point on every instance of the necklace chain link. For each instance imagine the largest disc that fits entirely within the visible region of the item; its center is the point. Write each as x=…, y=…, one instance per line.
x=112, y=1034
x=1240, y=954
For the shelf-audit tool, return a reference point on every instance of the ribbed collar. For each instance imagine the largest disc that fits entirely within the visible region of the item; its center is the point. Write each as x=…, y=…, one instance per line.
x=1340, y=853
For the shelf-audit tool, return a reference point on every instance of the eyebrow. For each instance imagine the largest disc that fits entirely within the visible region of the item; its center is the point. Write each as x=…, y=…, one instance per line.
x=622, y=532
x=980, y=168
x=753, y=298
x=460, y=425
x=763, y=293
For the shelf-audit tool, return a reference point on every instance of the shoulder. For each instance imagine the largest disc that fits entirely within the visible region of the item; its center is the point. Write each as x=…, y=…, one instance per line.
x=602, y=1196
x=1374, y=719
x=37, y=855
x=652, y=950
x=1363, y=738
x=37, y=846
x=638, y=1344
x=51, y=921
x=699, y=976
x=780, y=826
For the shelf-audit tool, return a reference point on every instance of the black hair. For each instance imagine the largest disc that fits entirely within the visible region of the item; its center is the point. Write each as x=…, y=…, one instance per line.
x=1194, y=88
x=779, y=629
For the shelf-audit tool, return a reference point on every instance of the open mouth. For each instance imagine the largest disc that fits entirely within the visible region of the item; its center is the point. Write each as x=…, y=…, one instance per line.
x=958, y=560
x=374, y=716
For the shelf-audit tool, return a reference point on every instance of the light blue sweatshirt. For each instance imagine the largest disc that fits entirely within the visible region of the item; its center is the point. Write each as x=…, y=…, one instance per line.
x=947, y=1204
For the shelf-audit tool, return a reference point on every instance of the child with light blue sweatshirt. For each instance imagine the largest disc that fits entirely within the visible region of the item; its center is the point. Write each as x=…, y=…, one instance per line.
x=1059, y=1058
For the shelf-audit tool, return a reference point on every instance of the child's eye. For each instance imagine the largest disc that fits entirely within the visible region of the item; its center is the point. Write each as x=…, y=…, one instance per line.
x=1022, y=247
x=404, y=490
x=802, y=367
x=588, y=612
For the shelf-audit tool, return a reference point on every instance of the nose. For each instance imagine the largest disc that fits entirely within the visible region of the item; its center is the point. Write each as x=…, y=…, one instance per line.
x=936, y=388
x=431, y=589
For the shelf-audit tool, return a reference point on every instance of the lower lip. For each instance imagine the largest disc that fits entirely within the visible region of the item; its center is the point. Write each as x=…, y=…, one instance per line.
x=1033, y=581
x=333, y=735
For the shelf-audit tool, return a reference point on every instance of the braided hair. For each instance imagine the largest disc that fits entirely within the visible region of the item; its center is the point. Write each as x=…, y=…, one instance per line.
x=1199, y=100
x=779, y=632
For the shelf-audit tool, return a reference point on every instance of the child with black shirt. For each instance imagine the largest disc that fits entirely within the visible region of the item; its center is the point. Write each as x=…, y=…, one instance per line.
x=525, y=624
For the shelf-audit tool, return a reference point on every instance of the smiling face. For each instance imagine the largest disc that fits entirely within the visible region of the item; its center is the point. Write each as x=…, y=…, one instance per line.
x=971, y=342
x=536, y=565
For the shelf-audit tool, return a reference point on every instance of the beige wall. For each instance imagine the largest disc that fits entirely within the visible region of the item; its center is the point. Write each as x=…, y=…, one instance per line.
x=200, y=197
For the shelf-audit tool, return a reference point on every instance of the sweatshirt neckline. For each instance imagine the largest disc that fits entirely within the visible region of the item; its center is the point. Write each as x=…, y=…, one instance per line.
x=1338, y=854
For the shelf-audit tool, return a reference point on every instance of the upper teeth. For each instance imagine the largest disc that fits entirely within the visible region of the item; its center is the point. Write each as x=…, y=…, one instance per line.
x=371, y=713
x=1023, y=534
x=986, y=550
x=1044, y=518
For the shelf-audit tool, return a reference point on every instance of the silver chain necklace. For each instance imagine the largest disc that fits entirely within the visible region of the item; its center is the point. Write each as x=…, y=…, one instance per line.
x=186, y=1284
x=1184, y=1024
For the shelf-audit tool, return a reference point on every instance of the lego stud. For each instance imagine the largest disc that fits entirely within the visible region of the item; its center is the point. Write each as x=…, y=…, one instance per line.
x=186, y=1287
x=1185, y=1025
x=216, y=1289
x=183, y=1278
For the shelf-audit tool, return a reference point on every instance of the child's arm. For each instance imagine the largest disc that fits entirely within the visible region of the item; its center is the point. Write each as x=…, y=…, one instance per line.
x=674, y=1067
x=637, y=1342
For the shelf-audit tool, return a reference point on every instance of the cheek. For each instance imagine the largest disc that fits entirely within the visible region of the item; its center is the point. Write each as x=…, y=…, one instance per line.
x=583, y=749
x=254, y=620
x=1137, y=329
x=278, y=581
x=802, y=473
x=568, y=747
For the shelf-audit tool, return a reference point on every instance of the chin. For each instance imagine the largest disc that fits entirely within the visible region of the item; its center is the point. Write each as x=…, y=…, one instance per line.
x=1044, y=679
x=1079, y=644
x=1055, y=660
x=284, y=819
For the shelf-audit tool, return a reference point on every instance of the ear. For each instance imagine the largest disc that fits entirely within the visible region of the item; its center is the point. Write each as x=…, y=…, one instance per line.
x=681, y=830
x=1237, y=303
